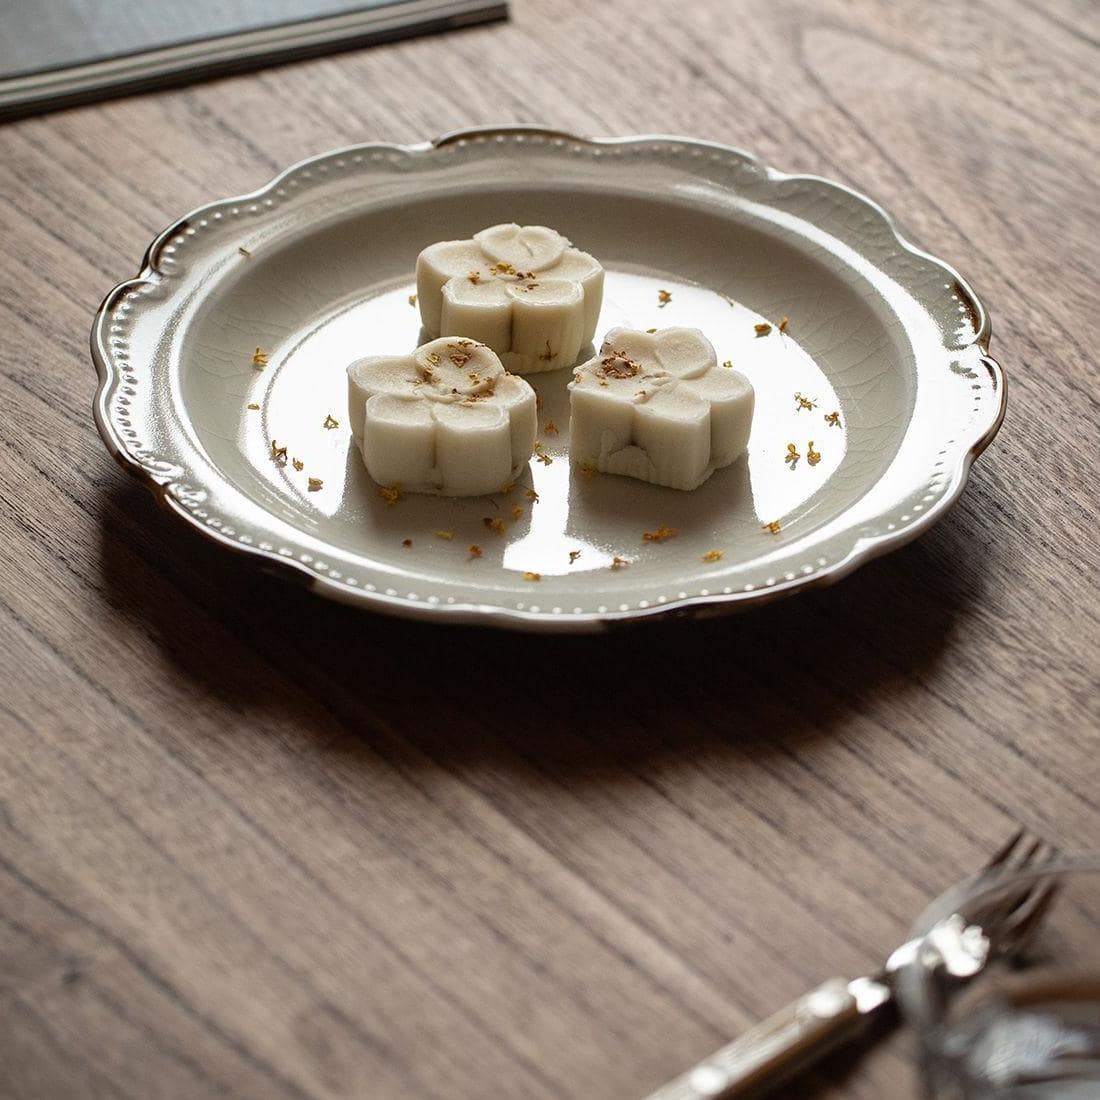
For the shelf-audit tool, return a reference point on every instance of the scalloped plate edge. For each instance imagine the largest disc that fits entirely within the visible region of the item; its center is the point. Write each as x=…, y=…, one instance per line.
x=863, y=549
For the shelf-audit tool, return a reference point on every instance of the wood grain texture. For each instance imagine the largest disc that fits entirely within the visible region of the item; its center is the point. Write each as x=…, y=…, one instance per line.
x=248, y=849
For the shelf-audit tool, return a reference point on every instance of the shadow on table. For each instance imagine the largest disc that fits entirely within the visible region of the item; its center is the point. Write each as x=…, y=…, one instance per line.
x=581, y=706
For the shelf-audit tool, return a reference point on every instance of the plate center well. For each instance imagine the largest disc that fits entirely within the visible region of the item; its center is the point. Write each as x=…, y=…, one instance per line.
x=604, y=516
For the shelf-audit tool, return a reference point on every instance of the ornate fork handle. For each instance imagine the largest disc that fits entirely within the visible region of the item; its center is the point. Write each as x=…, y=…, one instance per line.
x=838, y=1011
x=780, y=1046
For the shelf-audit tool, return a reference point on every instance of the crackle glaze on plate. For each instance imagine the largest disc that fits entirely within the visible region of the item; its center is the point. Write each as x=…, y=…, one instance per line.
x=316, y=269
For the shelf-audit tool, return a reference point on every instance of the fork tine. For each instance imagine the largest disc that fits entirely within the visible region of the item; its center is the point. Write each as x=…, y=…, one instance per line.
x=1002, y=854
x=1038, y=903
x=1021, y=851
x=1016, y=915
x=1052, y=853
x=1038, y=854
x=1022, y=924
x=1028, y=858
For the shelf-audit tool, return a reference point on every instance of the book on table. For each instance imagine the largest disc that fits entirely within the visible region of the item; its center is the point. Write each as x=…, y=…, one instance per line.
x=58, y=52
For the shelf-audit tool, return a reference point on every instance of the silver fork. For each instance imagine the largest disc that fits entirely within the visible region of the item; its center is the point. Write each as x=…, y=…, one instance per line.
x=838, y=1011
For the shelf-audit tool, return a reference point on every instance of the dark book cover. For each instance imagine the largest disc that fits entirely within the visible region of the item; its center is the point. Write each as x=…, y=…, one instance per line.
x=57, y=52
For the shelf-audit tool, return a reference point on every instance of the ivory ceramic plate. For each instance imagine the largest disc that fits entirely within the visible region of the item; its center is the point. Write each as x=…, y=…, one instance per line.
x=316, y=269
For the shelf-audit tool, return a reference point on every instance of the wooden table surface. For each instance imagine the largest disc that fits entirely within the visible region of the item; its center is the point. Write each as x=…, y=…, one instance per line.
x=249, y=849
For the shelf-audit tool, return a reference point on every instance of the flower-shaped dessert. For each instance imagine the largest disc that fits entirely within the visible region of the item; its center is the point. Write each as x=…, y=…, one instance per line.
x=523, y=290
x=446, y=419
x=657, y=406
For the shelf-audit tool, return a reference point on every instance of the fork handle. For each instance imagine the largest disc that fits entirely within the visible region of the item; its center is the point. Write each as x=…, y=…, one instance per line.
x=773, y=1050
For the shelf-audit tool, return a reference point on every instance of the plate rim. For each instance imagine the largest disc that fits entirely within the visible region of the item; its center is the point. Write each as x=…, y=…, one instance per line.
x=864, y=548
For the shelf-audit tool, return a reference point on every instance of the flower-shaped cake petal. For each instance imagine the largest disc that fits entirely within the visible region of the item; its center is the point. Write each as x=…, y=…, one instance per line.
x=656, y=406
x=524, y=247
x=522, y=290
x=446, y=419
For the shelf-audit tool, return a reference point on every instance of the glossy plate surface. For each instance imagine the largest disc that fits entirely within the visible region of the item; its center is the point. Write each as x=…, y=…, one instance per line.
x=316, y=269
